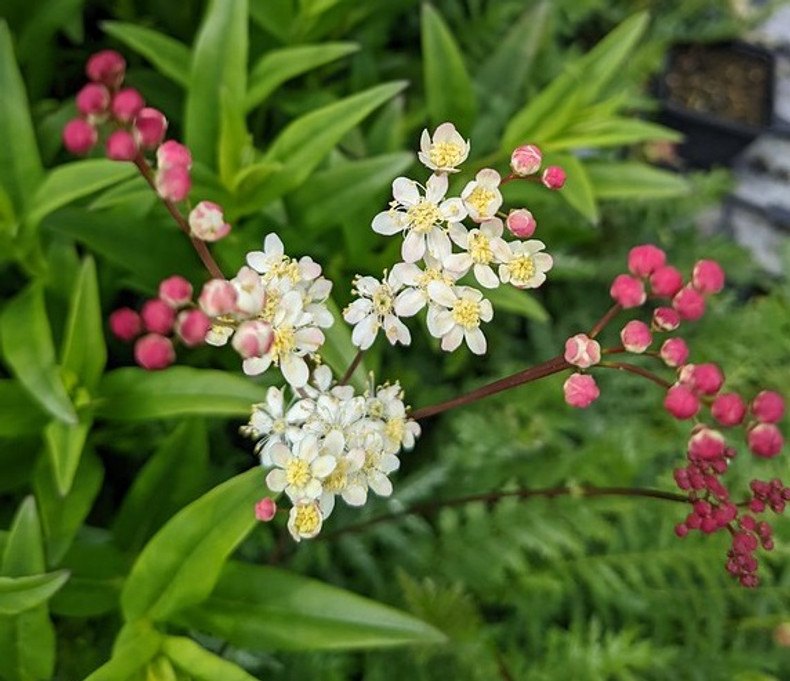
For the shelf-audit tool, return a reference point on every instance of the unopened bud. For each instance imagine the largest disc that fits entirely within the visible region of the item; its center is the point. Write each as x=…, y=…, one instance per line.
x=207, y=223
x=525, y=160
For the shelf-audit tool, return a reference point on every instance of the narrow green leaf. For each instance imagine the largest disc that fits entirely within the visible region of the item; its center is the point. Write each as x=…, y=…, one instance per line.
x=219, y=62
x=50, y=17
x=546, y=116
x=233, y=141
x=338, y=351
x=274, y=16
x=259, y=608
x=249, y=187
x=21, y=415
x=199, y=663
x=64, y=449
x=136, y=645
x=132, y=394
x=448, y=87
x=18, y=594
x=578, y=190
x=517, y=301
x=161, y=669
x=631, y=180
x=27, y=347
x=170, y=57
x=24, y=549
x=278, y=66
x=611, y=132
x=181, y=564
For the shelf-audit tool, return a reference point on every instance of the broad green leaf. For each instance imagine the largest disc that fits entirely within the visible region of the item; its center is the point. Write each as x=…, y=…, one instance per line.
x=578, y=191
x=277, y=66
x=136, y=645
x=631, y=180
x=170, y=479
x=260, y=608
x=249, y=187
x=131, y=394
x=134, y=193
x=27, y=347
x=199, y=663
x=21, y=415
x=219, y=63
x=338, y=351
x=448, y=87
x=170, y=57
x=181, y=564
x=18, y=594
x=545, y=116
x=233, y=141
x=517, y=301
x=64, y=448
x=611, y=132
x=20, y=163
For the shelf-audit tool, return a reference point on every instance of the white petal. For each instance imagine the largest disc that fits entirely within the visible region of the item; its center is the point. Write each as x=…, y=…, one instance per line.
x=312, y=490
x=389, y=463
x=441, y=293
x=355, y=495
x=486, y=311
x=258, y=261
x=309, y=338
x=326, y=504
x=459, y=263
x=476, y=341
x=459, y=234
x=453, y=339
x=439, y=245
x=273, y=245
x=358, y=310
x=294, y=370
x=440, y=323
x=276, y=480
x=367, y=285
x=334, y=443
x=396, y=331
x=485, y=275
x=380, y=483
x=413, y=246
x=453, y=210
x=323, y=466
x=252, y=366
x=365, y=332
x=280, y=455
x=409, y=302
x=387, y=223
x=405, y=191
x=436, y=188
x=274, y=402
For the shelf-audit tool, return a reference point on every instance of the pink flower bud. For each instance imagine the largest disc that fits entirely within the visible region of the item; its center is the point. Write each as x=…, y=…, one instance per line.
x=553, y=177
x=126, y=104
x=636, y=336
x=173, y=183
x=525, y=160
x=265, y=510
x=707, y=378
x=521, y=223
x=154, y=352
x=158, y=316
x=582, y=351
x=217, y=298
x=207, y=223
x=764, y=440
x=172, y=153
x=689, y=303
x=150, y=126
x=125, y=324
x=707, y=276
x=253, y=338
x=628, y=291
x=665, y=319
x=674, y=352
x=79, y=136
x=580, y=390
x=121, y=146
x=681, y=402
x=175, y=291
x=665, y=281
x=706, y=444
x=768, y=406
x=644, y=260
x=106, y=67
x=192, y=327
x=93, y=99
x=728, y=409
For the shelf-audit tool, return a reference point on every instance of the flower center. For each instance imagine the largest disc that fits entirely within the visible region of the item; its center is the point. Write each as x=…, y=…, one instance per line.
x=283, y=343
x=480, y=248
x=286, y=268
x=394, y=430
x=307, y=519
x=521, y=269
x=271, y=301
x=480, y=198
x=446, y=154
x=338, y=478
x=423, y=216
x=466, y=313
x=382, y=300
x=278, y=426
x=432, y=274
x=297, y=473
x=376, y=409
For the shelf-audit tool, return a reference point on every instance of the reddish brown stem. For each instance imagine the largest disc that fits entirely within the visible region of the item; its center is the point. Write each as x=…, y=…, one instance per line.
x=649, y=375
x=603, y=321
x=352, y=367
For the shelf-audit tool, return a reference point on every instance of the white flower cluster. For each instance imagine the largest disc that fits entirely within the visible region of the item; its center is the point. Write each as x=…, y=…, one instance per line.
x=432, y=225
x=327, y=442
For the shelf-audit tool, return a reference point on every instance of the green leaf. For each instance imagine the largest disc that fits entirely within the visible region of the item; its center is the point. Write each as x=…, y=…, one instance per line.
x=631, y=180
x=18, y=594
x=21, y=415
x=259, y=608
x=27, y=347
x=84, y=352
x=274, y=16
x=170, y=479
x=545, y=116
x=219, y=63
x=234, y=139
x=199, y=663
x=180, y=565
x=611, y=132
x=277, y=66
x=517, y=301
x=136, y=645
x=338, y=351
x=170, y=57
x=50, y=16
x=249, y=187
x=24, y=549
x=132, y=394
x=20, y=163
x=448, y=87
x=578, y=191
x=64, y=449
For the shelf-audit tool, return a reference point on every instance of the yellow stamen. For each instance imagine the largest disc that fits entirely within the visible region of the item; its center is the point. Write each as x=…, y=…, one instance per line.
x=480, y=248
x=480, y=198
x=307, y=519
x=446, y=154
x=297, y=473
x=466, y=313
x=423, y=216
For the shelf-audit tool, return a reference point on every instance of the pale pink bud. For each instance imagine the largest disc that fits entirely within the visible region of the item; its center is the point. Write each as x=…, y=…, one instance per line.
x=644, y=260
x=154, y=352
x=768, y=406
x=121, y=146
x=707, y=276
x=525, y=160
x=706, y=444
x=689, y=303
x=582, y=351
x=172, y=153
x=79, y=136
x=126, y=104
x=553, y=177
x=106, y=67
x=665, y=281
x=706, y=379
x=253, y=338
x=265, y=510
x=628, y=291
x=636, y=336
x=764, y=440
x=158, y=316
x=207, y=223
x=728, y=409
x=521, y=223
x=125, y=324
x=192, y=327
x=175, y=291
x=217, y=298
x=665, y=319
x=580, y=390
x=173, y=183
x=674, y=352
x=681, y=402
x=93, y=99
x=150, y=126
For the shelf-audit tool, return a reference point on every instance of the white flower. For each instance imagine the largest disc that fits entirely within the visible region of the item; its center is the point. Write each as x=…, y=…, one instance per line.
x=445, y=151
x=526, y=267
x=387, y=407
x=305, y=520
x=271, y=423
x=378, y=464
x=415, y=296
x=481, y=196
x=250, y=292
x=299, y=470
x=343, y=482
x=219, y=334
x=374, y=309
x=462, y=309
x=483, y=247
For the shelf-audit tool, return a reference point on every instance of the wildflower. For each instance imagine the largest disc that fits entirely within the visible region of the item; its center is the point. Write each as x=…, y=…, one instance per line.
x=93, y=100
x=483, y=247
x=674, y=352
x=207, y=223
x=158, y=316
x=192, y=327
x=265, y=510
x=765, y=440
x=681, y=402
x=445, y=151
x=126, y=104
x=374, y=309
x=305, y=520
x=175, y=291
x=299, y=471
x=107, y=67
x=707, y=277
x=525, y=160
x=481, y=196
x=458, y=315
x=582, y=351
x=689, y=303
x=149, y=127
x=527, y=266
